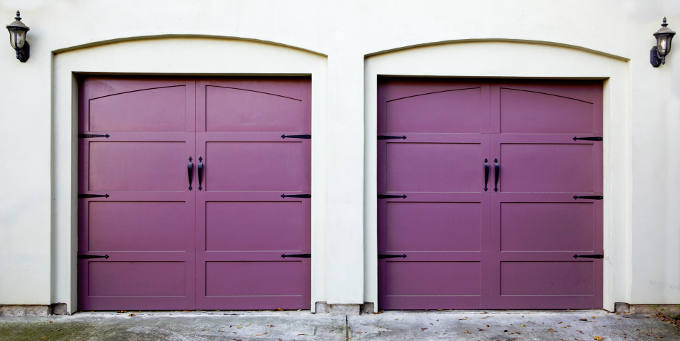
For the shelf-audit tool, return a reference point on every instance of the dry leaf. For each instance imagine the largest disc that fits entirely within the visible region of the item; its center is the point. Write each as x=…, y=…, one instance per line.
x=551, y=330
x=522, y=325
x=597, y=338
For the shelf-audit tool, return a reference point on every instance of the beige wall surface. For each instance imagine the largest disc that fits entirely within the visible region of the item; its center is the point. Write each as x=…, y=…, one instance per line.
x=344, y=45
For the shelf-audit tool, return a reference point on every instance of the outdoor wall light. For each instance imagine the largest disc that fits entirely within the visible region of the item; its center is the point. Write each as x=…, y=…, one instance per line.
x=664, y=36
x=17, y=38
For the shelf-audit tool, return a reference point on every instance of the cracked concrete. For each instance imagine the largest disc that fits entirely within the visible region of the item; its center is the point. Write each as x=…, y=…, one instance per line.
x=302, y=325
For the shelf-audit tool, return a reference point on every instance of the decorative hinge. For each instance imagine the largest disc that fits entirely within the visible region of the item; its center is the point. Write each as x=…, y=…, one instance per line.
x=89, y=136
x=297, y=255
x=587, y=138
x=92, y=256
x=296, y=195
x=388, y=196
x=387, y=137
x=592, y=197
x=93, y=195
x=589, y=256
x=306, y=136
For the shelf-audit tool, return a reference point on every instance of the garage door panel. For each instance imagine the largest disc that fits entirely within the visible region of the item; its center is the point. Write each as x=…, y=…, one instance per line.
x=547, y=278
x=251, y=226
x=248, y=109
x=256, y=278
x=547, y=226
x=149, y=109
x=256, y=166
x=432, y=226
x=440, y=111
x=547, y=167
x=433, y=167
x=545, y=111
x=134, y=226
x=151, y=279
x=138, y=165
x=442, y=278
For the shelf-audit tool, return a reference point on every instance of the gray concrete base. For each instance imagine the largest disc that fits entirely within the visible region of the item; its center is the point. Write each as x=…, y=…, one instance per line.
x=24, y=310
x=302, y=325
x=338, y=309
x=668, y=309
x=33, y=310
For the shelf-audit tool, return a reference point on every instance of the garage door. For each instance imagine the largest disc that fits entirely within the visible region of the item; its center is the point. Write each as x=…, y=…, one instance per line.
x=489, y=194
x=194, y=194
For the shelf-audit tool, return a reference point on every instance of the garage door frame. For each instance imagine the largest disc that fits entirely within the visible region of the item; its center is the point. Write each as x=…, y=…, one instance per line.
x=497, y=58
x=161, y=56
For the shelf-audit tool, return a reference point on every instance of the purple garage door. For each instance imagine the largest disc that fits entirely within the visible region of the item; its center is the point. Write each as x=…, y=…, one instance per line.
x=191, y=193
x=450, y=238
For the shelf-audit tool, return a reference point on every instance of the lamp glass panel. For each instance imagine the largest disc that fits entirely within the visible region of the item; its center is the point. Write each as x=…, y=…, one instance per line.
x=662, y=44
x=20, y=39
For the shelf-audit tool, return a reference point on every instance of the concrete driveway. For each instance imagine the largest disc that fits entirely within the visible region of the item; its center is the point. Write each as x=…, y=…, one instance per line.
x=302, y=325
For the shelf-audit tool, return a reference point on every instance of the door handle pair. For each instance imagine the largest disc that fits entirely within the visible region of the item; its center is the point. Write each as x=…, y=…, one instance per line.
x=496, y=174
x=190, y=171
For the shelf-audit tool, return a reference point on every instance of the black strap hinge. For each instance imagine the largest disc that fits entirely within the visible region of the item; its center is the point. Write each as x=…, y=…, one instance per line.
x=296, y=195
x=587, y=138
x=306, y=136
x=388, y=196
x=297, y=255
x=392, y=256
x=93, y=195
x=92, y=256
x=591, y=197
x=89, y=136
x=589, y=256
x=386, y=137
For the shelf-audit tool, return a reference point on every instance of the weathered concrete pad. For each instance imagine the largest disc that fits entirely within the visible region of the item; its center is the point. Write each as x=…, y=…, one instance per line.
x=509, y=325
x=296, y=325
x=302, y=325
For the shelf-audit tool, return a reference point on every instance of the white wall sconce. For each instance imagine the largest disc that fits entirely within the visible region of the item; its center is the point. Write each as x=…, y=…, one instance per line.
x=664, y=36
x=17, y=38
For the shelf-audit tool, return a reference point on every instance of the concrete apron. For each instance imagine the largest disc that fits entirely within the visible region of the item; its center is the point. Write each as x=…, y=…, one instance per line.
x=302, y=325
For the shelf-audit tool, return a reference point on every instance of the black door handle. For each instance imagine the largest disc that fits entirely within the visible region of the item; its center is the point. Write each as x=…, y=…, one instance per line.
x=200, y=173
x=496, y=174
x=190, y=171
x=589, y=256
x=297, y=255
x=486, y=174
x=392, y=256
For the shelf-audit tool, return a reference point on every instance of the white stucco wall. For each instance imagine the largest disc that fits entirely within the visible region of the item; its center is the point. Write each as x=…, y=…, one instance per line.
x=642, y=217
